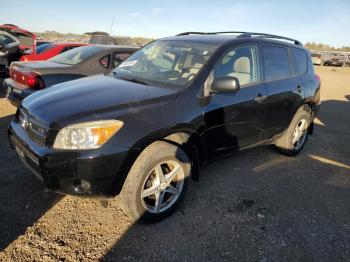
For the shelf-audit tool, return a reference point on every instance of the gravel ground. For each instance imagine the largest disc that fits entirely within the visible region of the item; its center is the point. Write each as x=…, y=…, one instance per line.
x=254, y=206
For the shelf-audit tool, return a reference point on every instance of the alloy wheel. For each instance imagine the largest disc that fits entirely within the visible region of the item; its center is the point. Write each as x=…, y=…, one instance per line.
x=162, y=186
x=300, y=134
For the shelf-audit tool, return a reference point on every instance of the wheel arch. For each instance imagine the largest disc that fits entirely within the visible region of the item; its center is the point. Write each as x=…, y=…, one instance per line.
x=182, y=136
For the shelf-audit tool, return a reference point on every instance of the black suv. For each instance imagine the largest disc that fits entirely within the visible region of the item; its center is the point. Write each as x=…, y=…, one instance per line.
x=142, y=131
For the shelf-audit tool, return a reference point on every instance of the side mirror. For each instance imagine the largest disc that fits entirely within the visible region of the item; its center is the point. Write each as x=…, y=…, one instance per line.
x=227, y=84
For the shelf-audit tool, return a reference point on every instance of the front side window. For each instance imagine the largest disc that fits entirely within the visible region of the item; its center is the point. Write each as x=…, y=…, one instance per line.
x=76, y=55
x=240, y=63
x=275, y=62
x=300, y=61
x=166, y=63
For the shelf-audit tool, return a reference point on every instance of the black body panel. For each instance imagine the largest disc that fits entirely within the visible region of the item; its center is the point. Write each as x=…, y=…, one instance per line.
x=215, y=122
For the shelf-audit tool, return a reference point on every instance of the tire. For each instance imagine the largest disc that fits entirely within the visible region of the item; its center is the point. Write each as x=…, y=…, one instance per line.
x=145, y=178
x=301, y=120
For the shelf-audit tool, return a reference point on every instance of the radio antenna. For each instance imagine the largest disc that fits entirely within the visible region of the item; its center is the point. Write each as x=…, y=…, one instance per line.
x=112, y=27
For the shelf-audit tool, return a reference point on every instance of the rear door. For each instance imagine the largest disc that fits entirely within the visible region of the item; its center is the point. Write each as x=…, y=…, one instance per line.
x=304, y=69
x=284, y=88
x=235, y=120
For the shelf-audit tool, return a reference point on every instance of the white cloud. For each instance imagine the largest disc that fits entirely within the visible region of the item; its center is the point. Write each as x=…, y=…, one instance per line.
x=135, y=14
x=157, y=10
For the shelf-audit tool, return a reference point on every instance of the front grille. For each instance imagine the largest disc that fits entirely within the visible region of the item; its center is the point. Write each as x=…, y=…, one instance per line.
x=35, y=129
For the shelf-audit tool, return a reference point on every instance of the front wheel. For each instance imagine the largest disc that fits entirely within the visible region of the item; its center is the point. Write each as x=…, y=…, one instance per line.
x=293, y=140
x=156, y=183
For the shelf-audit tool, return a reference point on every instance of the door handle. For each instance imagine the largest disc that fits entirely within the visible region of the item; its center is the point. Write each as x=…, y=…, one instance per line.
x=259, y=98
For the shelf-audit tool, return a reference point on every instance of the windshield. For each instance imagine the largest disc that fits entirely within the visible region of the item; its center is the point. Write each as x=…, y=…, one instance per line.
x=165, y=63
x=76, y=55
x=43, y=47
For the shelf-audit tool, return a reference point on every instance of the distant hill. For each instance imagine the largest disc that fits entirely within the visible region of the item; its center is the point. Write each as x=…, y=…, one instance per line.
x=69, y=37
x=321, y=47
x=83, y=38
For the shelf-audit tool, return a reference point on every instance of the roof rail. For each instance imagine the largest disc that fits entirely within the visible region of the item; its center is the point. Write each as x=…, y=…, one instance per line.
x=244, y=34
x=192, y=33
x=263, y=35
x=211, y=33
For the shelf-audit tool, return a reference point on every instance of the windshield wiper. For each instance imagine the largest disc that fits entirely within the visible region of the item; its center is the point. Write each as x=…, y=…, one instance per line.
x=138, y=81
x=134, y=80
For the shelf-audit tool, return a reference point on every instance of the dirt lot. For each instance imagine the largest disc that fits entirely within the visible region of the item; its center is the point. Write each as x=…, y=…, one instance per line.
x=255, y=206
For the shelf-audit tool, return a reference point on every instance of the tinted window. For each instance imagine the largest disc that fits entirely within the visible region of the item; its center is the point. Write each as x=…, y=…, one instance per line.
x=74, y=46
x=240, y=63
x=316, y=55
x=275, y=62
x=76, y=55
x=5, y=40
x=300, y=61
x=105, y=61
x=118, y=58
x=43, y=47
x=65, y=49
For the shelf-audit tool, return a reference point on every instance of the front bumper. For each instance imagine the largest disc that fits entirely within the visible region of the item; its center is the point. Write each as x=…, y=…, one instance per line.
x=15, y=92
x=84, y=172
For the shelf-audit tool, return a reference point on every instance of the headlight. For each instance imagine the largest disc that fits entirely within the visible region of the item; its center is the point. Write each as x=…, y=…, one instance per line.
x=89, y=135
x=3, y=53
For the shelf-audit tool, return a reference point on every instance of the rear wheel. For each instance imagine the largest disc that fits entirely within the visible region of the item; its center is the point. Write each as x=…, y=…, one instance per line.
x=156, y=183
x=293, y=140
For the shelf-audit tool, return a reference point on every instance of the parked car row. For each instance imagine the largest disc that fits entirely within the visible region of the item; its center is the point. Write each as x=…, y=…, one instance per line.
x=14, y=42
x=326, y=59
x=27, y=78
x=49, y=50
x=30, y=77
x=144, y=130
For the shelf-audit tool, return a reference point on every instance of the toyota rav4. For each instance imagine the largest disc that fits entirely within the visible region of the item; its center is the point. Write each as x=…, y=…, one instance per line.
x=144, y=130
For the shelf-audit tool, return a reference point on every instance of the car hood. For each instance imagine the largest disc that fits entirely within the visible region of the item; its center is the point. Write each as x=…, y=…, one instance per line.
x=93, y=98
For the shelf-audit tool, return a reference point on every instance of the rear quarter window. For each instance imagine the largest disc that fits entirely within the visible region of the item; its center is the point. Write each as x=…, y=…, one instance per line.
x=300, y=61
x=275, y=62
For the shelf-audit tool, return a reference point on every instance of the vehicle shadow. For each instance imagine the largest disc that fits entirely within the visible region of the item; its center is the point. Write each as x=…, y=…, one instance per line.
x=2, y=91
x=22, y=197
x=260, y=206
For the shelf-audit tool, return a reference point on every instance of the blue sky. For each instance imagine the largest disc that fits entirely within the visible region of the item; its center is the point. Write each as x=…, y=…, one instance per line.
x=323, y=21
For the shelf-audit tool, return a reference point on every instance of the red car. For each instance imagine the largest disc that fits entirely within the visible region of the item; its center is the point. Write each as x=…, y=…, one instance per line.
x=50, y=50
x=26, y=38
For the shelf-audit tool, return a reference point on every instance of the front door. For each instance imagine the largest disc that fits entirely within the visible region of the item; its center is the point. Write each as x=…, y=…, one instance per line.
x=236, y=120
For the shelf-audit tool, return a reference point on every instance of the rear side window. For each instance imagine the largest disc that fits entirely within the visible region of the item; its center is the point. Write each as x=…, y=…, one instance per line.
x=300, y=61
x=275, y=62
x=105, y=61
x=65, y=49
